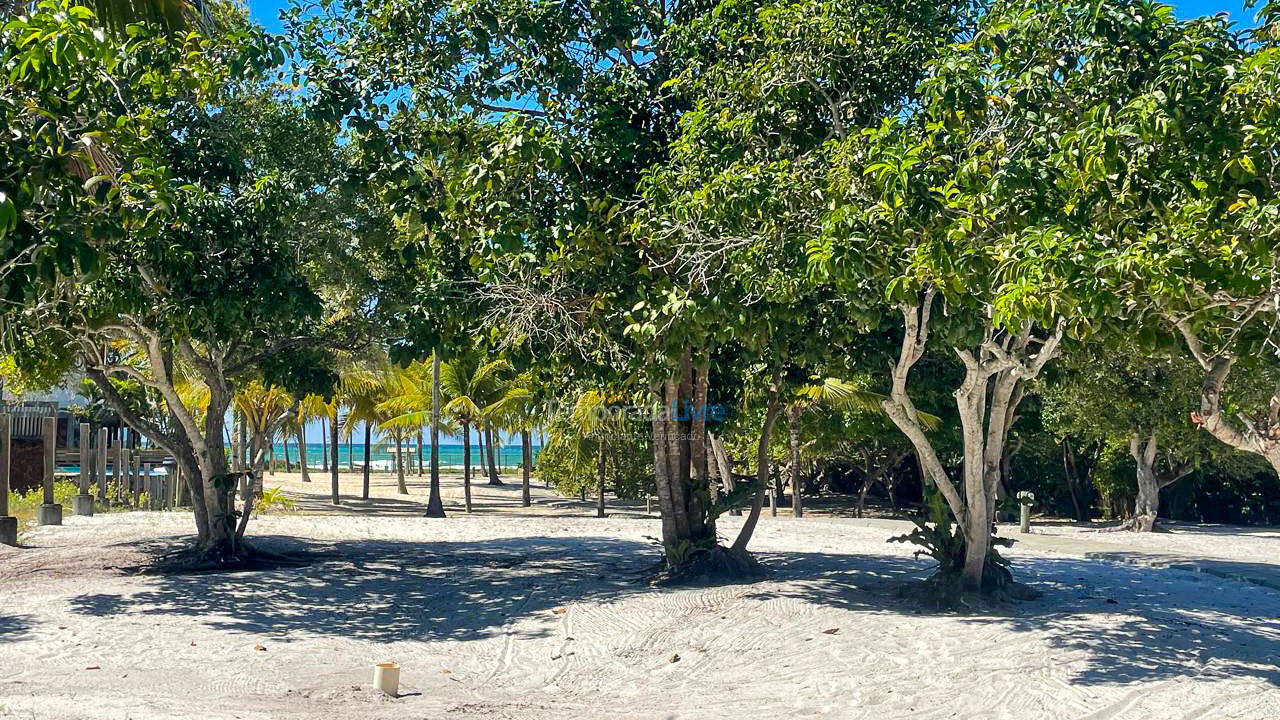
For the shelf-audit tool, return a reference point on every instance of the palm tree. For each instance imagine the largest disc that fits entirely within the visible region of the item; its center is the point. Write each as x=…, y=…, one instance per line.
x=475, y=388
x=363, y=389
x=309, y=408
x=836, y=394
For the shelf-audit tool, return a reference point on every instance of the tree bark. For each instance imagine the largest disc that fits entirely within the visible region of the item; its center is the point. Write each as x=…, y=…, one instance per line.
x=493, y=468
x=994, y=372
x=435, y=506
x=368, y=442
x=600, y=473
x=302, y=451
x=1247, y=436
x=401, y=487
x=420, y=457
x=772, y=408
x=526, y=466
x=466, y=464
x=793, y=433
x=334, y=467
x=324, y=446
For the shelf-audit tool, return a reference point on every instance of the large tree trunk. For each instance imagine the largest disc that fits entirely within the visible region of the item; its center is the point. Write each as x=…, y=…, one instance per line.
x=526, y=466
x=435, y=506
x=1146, y=507
x=489, y=449
x=986, y=398
x=685, y=531
x=1151, y=481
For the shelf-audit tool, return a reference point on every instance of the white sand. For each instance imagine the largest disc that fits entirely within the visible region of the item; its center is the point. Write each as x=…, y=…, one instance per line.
x=1227, y=542
x=539, y=616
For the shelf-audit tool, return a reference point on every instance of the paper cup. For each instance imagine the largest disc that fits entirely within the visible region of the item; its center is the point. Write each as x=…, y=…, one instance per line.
x=386, y=677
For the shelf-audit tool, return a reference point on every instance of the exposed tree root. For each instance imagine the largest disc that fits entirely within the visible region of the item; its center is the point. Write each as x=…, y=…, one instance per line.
x=944, y=590
x=192, y=558
x=717, y=565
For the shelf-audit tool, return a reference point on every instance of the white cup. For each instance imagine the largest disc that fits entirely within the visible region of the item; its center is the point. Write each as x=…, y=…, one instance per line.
x=386, y=677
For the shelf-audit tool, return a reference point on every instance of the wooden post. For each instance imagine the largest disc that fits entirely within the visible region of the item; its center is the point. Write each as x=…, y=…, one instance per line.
x=85, y=457
x=50, y=513
x=102, y=464
x=117, y=468
x=135, y=483
x=1026, y=519
x=8, y=524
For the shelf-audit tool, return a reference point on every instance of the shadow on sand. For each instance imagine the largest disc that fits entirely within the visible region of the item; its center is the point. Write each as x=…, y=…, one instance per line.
x=1156, y=624
x=14, y=628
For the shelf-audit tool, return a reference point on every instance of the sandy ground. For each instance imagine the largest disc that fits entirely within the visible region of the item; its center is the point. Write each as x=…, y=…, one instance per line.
x=535, y=613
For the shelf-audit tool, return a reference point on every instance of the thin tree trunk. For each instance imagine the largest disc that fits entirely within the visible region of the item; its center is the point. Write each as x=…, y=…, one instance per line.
x=466, y=464
x=793, y=431
x=435, y=506
x=302, y=452
x=400, y=485
x=324, y=445
x=489, y=446
x=333, y=461
x=368, y=442
x=772, y=409
x=526, y=451
x=600, y=472
x=421, y=463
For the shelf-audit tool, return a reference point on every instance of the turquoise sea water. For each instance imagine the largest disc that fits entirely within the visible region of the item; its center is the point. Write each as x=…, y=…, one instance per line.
x=380, y=455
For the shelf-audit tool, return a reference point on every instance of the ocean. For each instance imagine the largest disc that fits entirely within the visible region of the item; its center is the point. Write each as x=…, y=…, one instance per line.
x=381, y=455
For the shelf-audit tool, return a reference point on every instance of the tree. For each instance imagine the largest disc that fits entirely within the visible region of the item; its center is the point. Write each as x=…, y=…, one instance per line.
x=179, y=263
x=1115, y=394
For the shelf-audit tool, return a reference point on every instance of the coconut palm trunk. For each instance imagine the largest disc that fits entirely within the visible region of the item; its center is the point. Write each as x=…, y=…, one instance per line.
x=435, y=507
x=466, y=464
x=368, y=441
x=526, y=452
x=333, y=461
x=302, y=451
x=489, y=454
x=400, y=486
x=324, y=446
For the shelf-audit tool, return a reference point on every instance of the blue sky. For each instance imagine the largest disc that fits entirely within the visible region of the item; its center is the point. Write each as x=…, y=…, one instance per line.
x=267, y=12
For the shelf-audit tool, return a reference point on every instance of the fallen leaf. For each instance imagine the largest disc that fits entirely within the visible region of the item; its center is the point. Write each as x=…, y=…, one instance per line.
x=259, y=648
x=446, y=671
x=831, y=631
x=560, y=610
x=675, y=658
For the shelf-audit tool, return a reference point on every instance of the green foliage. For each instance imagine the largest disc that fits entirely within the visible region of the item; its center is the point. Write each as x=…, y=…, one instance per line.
x=939, y=538
x=24, y=505
x=273, y=500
